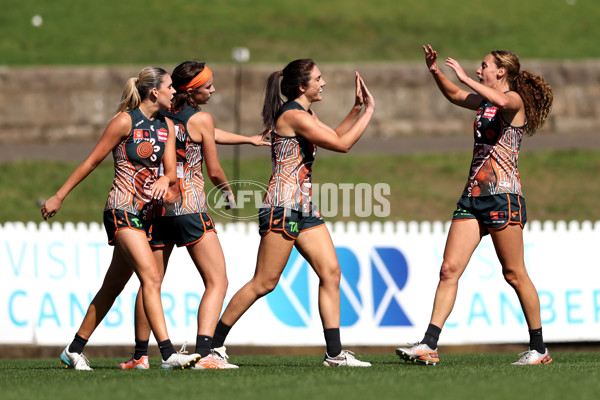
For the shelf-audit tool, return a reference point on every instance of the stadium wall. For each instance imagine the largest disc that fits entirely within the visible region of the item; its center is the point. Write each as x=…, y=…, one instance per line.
x=57, y=104
x=389, y=275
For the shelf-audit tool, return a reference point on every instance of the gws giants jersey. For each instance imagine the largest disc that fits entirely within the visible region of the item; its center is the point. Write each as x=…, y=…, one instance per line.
x=137, y=159
x=495, y=155
x=187, y=195
x=290, y=185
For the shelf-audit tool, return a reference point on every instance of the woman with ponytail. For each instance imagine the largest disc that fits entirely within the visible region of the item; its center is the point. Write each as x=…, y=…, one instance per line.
x=509, y=103
x=287, y=217
x=140, y=138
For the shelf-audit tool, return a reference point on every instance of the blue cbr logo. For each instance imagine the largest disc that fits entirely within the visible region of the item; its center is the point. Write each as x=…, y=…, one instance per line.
x=389, y=272
x=290, y=301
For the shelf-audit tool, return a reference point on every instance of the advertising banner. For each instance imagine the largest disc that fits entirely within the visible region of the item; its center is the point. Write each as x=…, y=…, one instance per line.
x=50, y=273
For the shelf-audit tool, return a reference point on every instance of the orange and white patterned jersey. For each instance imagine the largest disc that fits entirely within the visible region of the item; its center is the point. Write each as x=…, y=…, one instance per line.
x=137, y=160
x=290, y=185
x=494, y=168
x=187, y=195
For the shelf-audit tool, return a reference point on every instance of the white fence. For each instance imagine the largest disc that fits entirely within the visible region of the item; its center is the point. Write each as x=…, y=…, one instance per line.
x=50, y=272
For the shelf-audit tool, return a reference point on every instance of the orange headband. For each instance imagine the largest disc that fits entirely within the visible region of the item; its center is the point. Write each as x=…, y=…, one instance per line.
x=198, y=80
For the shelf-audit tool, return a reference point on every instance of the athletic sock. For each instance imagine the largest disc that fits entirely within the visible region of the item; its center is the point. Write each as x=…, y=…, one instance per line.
x=203, y=345
x=536, y=341
x=166, y=349
x=432, y=335
x=77, y=344
x=333, y=342
x=221, y=333
x=141, y=348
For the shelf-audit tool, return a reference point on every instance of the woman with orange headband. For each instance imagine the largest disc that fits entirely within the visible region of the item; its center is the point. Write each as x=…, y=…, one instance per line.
x=182, y=220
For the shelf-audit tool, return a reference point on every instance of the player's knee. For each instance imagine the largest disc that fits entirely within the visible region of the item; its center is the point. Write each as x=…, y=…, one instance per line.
x=264, y=287
x=336, y=275
x=220, y=284
x=225, y=284
x=512, y=278
x=151, y=280
x=449, y=271
x=331, y=275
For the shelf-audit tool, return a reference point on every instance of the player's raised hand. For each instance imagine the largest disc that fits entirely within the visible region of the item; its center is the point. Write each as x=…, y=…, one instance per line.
x=358, y=95
x=460, y=73
x=430, y=58
x=367, y=97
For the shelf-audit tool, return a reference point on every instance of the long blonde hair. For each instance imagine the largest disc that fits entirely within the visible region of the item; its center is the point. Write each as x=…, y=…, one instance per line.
x=137, y=89
x=534, y=90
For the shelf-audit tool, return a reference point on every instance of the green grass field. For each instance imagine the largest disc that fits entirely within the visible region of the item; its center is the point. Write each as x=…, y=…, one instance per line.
x=158, y=32
x=558, y=185
x=458, y=376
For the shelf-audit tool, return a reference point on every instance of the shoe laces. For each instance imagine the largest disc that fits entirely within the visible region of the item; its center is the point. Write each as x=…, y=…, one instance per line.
x=526, y=355
x=348, y=353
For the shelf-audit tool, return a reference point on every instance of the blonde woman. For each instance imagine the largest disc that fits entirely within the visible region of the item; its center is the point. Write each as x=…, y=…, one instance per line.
x=140, y=138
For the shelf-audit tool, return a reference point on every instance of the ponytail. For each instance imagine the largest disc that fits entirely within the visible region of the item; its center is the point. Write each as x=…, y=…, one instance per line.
x=273, y=100
x=534, y=91
x=537, y=97
x=294, y=75
x=138, y=89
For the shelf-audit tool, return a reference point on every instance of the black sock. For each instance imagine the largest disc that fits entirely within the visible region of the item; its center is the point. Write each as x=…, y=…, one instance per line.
x=333, y=342
x=221, y=333
x=536, y=341
x=77, y=345
x=203, y=345
x=166, y=349
x=432, y=335
x=141, y=348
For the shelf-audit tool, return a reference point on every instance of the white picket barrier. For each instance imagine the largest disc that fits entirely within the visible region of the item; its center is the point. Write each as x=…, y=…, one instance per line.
x=390, y=270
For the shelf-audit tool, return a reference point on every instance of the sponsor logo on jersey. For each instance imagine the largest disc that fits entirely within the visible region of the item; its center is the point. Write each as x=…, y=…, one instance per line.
x=162, y=134
x=141, y=134
x=490, y=112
